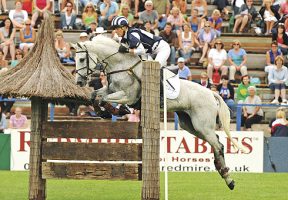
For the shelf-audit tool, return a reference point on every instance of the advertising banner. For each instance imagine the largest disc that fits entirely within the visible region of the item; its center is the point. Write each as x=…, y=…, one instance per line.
x=187, y=153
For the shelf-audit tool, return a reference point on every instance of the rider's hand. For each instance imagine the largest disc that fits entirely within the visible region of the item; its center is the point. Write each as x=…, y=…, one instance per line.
x=123, y=49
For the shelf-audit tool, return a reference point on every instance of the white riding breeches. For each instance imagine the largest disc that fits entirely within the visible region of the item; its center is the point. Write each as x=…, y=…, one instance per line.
x=162, y=52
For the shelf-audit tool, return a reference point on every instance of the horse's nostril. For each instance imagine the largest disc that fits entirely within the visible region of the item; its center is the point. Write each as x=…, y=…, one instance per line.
x=82, y=59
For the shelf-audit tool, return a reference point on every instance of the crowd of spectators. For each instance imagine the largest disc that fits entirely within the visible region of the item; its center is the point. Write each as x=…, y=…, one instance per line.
x=186, y=32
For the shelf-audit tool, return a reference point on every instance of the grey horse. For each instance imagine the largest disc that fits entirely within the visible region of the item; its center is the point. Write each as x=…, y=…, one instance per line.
x=196, y=106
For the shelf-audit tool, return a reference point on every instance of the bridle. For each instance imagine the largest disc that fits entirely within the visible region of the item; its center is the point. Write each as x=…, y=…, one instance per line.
x=103, y=64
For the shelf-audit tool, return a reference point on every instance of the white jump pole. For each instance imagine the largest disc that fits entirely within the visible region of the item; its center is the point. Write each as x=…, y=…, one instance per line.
x=165, y=130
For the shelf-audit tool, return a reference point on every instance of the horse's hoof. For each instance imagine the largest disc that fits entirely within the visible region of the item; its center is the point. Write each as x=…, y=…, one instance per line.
x=231, y=185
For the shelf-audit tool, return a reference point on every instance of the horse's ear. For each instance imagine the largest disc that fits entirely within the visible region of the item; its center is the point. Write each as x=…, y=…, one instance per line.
x=73, y=45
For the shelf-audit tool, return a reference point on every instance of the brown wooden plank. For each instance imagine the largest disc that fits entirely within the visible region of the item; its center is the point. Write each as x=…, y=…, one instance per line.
x=96, y=171
x=91, y=129
x=91, y=151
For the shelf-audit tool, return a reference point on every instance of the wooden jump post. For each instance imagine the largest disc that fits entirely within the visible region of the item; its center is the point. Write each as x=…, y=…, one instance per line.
x=150, y=121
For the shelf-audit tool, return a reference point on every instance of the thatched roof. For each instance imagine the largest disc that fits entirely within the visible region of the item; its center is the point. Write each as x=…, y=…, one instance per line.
x=40, y=73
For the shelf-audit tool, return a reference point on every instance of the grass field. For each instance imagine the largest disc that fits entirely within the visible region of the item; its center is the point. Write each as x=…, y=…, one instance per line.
x=182, y=186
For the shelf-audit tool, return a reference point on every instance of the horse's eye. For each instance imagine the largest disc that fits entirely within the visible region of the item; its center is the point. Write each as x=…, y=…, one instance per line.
x=82, y=60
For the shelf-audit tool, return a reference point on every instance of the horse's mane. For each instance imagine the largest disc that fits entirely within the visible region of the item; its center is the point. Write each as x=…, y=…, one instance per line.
x=105, y=40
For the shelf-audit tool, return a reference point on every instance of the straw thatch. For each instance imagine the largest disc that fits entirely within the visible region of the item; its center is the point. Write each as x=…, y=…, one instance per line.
x=40, y=73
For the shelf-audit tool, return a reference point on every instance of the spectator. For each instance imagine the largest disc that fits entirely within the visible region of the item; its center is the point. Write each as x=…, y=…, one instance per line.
x=206, y=39
x=247, y=14
x=68, y=17
x=271, y=55
x=109, y=9
x=139, y=7
x=95, y=3
x=125, y=11
x=18, y=16
x=151, y=15
x=284, y=8
x=63, y=48
x=217, y=58
x=91, y=31
x=4, y=7
x=279, y=125
x=183, y=71
x=89, y=15
x=194, y=21
x=7, y=35
x=83, y=37
x=27, y=37
x=251, y=114
x=3, y=121
x=18, y=120
x=134, y=116
x=281, y=38
x=63, y=4
x=201, y=6
x=176, y=19
x=181, y=4
x=40, y=7
x=27, y=5
x=186, y=41
x=237, y=58
x=222, y=6
x=270, y=15
x=204, y=81
x=171, y=38
x=226, y=91
x=19, y=56
x=216, y=21
x=163, y=9
x=277, y=78
x=242, y=89
x=147, y=27
x=3, y=62
x=236, y=5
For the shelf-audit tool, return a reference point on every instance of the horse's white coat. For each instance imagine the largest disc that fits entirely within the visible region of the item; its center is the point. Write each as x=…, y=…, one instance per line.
x=197, y=107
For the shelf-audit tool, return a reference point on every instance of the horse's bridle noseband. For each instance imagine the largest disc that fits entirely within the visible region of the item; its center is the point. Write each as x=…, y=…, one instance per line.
x=103, y=65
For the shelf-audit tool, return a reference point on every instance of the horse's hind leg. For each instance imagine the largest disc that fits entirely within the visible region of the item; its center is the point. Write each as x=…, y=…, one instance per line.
x=219, y=160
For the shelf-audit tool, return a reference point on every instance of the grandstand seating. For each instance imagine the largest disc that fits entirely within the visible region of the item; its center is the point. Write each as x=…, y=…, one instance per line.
x=255, y=46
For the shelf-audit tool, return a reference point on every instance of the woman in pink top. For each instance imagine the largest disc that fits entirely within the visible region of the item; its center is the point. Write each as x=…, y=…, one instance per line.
x=40, y=7
x=176, y=18
x=18, y=120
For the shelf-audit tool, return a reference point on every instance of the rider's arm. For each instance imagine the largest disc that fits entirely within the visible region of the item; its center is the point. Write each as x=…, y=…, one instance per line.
x=135, y=45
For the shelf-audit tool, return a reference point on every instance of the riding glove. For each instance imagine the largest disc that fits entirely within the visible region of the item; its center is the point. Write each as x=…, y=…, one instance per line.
x=123, y=49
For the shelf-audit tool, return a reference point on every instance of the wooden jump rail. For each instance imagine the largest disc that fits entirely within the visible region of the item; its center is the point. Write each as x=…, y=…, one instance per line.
x=46, y=154
x=67, y=152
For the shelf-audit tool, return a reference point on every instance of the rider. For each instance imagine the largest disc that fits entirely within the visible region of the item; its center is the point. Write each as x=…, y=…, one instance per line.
x=140, y=42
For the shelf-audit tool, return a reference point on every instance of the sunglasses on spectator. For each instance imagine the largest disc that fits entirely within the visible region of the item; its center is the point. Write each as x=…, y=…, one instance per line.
x=218, y=43
x=236, y=44
x=69, y=6
x=27, y=24
x=207, y=26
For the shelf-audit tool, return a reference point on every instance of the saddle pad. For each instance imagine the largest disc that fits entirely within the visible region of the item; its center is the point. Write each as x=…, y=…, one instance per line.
x=172, y=84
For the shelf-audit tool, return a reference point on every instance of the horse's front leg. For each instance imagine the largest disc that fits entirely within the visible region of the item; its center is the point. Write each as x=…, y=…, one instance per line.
x=99, y=94
x=117, y=97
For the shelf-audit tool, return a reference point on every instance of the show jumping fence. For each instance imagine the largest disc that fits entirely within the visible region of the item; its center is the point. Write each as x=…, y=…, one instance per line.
x=83, y=160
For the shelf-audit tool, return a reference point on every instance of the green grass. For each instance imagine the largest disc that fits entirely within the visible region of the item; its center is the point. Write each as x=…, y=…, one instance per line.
x=182, y=186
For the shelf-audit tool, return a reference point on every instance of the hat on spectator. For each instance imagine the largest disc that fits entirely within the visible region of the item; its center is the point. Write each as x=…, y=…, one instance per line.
x=83, y=34
x=148, y=2
x=100, y=30
x=181, y=59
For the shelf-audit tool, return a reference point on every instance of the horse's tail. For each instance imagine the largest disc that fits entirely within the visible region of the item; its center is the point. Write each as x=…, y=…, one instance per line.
x=224, y=117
